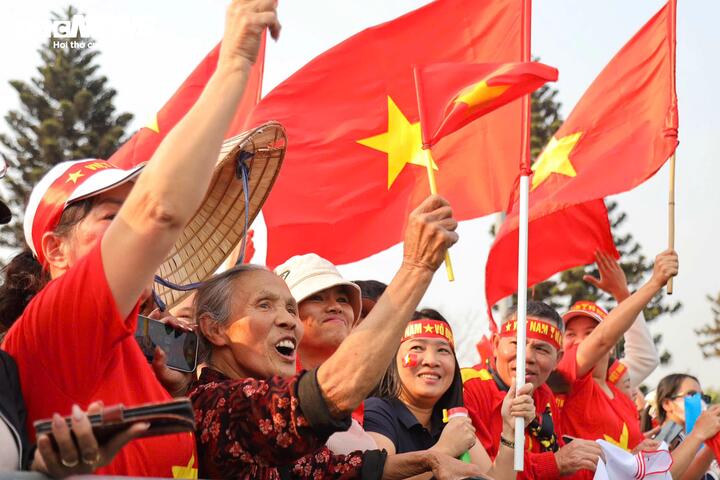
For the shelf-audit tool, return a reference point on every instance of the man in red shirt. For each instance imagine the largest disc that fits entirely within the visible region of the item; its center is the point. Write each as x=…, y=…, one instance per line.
x=547, y=457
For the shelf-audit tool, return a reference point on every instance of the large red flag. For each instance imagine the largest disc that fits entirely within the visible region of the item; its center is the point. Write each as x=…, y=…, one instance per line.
x=141, y=146
x=451, y=95
x=354, y=167
x=619, y=134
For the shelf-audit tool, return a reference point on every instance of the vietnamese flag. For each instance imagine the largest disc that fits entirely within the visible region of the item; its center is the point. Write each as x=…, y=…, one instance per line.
x=451, y=95
x=354, y=166
x=141, y=146
x=620, y=133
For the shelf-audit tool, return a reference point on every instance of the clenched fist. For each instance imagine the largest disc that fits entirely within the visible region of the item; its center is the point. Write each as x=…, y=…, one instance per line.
x=429, y=233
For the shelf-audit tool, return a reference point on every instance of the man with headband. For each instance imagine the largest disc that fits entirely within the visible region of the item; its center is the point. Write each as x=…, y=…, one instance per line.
x=547, y=457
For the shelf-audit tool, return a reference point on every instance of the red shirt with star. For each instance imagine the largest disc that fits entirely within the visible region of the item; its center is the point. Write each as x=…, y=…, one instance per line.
x=483, y=399
x=589, y=413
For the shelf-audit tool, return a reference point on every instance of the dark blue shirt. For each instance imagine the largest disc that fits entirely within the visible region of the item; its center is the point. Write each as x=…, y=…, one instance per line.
x=391, y=418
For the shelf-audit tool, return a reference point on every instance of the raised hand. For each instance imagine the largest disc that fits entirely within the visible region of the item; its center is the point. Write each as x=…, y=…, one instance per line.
x=666, y=266
x=429, y=233
x=245, y=22
x=612, y=278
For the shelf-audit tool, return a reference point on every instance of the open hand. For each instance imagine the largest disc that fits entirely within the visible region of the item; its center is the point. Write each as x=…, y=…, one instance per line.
x=612, y=278
x=578, y=455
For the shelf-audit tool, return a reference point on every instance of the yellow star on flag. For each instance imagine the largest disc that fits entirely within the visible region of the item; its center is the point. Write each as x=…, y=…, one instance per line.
x=555, y=159
x=153, y=124
x=479, y=94
x=622, y=442
x=402, y=142
x=74, y=176
x=428, y=329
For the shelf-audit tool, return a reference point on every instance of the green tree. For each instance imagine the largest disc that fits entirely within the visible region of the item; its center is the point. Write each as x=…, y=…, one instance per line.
x=66, y=112
x=565, y=288
x=710, y=346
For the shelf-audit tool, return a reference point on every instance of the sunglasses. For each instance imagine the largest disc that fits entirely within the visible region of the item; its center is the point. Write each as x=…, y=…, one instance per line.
x=705, y=398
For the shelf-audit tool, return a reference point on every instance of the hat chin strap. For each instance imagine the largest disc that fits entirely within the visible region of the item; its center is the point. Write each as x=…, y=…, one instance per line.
x=243, y=173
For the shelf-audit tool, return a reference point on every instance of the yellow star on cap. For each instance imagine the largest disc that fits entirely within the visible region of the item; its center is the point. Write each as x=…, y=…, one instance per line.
x=74, y=176
x=402, y=142
x=622, y=442
x=555, y=159
x=153, y=124
x=428, y=329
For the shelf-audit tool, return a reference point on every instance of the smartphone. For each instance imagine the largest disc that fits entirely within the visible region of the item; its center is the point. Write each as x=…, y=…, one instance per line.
x=181, y=347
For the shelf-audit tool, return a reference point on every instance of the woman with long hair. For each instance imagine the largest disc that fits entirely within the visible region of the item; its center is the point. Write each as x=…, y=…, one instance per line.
x=422, y=389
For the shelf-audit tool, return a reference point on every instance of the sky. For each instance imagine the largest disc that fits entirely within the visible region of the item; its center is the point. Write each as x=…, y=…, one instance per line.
x=148, y=48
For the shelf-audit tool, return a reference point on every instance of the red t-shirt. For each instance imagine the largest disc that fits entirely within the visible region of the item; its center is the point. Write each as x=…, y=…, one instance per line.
x=483, y=399
x=72, y=346
x=589, y=413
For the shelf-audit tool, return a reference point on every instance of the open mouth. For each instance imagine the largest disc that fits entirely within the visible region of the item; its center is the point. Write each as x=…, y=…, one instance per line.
x=286, y=347
x=430, y=376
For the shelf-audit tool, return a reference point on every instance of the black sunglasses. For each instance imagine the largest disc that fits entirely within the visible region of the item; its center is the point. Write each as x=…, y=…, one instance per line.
x=705, y=398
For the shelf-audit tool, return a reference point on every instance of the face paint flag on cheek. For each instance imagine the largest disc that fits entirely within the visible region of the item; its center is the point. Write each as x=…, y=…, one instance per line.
x=409, y=360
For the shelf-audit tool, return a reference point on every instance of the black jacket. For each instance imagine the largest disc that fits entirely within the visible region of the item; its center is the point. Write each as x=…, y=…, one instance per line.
x=12, y=407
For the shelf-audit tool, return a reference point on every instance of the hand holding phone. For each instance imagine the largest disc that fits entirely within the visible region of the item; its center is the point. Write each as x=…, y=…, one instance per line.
x=180, y=346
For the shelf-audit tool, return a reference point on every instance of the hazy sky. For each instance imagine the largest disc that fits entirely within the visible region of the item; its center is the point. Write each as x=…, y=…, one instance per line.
x=148, y=48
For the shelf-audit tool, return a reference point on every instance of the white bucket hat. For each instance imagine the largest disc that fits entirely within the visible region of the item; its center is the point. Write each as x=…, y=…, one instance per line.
x=310, y=273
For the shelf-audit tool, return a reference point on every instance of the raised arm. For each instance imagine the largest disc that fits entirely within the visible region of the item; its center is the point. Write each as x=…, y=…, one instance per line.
x=175, y=180
x=349, y=375
x=611, y=330
x=641, y=356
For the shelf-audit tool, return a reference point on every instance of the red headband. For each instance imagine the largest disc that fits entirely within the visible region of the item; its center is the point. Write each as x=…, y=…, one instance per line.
x=616, y=371
x=537, y=328
x=427, y=328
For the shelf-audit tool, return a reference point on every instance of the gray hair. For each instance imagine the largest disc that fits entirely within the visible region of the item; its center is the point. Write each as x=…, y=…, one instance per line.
x=214, y=300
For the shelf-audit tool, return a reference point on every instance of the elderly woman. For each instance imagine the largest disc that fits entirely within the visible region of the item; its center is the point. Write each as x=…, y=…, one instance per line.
x=99, y=234
x=421, y=385
x=257, y=418
x=691, y=459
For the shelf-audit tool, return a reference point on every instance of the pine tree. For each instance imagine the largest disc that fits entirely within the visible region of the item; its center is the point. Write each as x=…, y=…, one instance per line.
x=66, y=112
x=711, y=331
x=565, y=288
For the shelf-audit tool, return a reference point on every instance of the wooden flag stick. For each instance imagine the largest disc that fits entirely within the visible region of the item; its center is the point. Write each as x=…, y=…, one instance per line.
x=671, y=217
x=433, y=190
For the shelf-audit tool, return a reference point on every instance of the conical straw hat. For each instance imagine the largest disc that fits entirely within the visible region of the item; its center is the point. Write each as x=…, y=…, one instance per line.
x=217, y=227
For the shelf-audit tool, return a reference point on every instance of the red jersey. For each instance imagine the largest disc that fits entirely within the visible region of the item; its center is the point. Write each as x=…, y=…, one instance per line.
x=589, y=413
x=72, y=346
x=483, y=399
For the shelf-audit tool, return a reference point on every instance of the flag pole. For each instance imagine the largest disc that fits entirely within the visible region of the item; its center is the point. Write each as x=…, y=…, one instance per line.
x=433, y=191
x=672, y=19
x=524, y=200
x=671, y=217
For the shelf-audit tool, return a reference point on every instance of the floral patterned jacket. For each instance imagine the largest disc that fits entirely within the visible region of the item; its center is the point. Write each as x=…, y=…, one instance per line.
x=271, y=429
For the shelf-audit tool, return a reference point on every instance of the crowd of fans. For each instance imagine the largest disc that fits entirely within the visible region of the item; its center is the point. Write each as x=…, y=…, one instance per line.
x=303, y=373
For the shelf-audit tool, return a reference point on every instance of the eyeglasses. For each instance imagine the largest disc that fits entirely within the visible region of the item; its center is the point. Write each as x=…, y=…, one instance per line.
x=705, y=398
